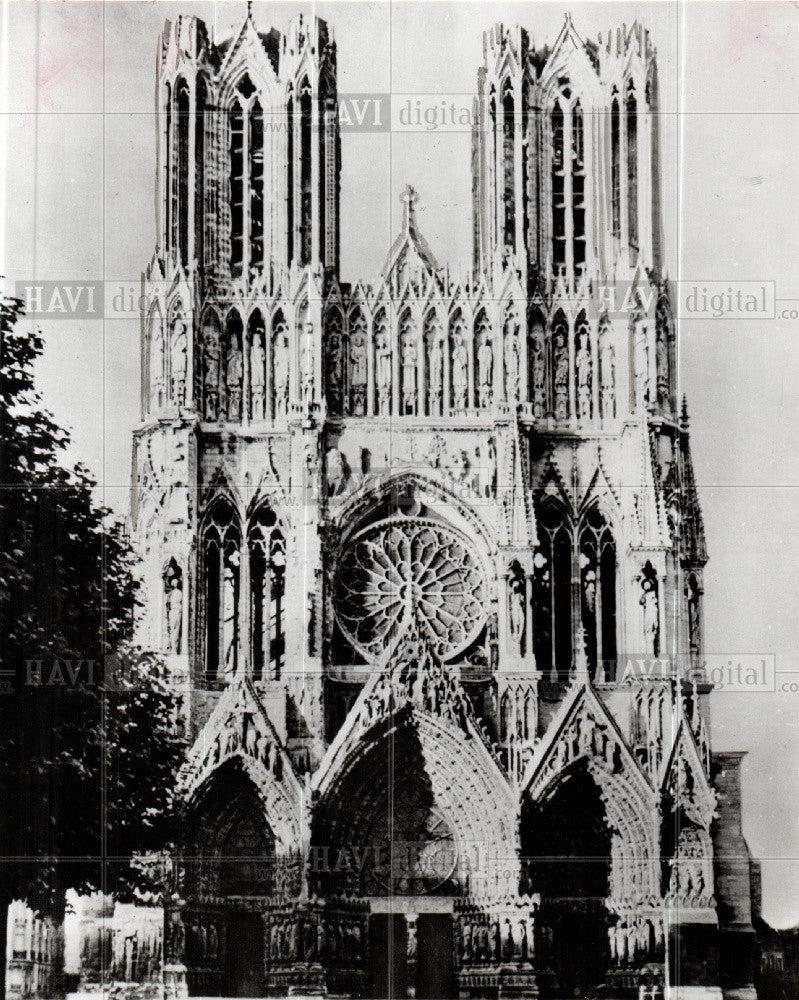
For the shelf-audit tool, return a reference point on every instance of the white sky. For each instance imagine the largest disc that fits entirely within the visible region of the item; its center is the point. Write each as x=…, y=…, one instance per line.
x=79, y=205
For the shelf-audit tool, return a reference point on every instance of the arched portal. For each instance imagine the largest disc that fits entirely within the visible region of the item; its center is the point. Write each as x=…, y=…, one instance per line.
x=415, y=815
x=566, y=843
x=232, y=855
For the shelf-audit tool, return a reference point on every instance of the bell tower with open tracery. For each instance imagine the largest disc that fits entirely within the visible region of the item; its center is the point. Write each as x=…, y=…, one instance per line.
x=425, y=554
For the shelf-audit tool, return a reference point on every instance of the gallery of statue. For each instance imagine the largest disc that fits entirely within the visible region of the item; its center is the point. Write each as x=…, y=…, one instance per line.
x=403, y=540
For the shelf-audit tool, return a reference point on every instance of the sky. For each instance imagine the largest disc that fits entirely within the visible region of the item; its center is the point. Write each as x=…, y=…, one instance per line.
x=77, y=169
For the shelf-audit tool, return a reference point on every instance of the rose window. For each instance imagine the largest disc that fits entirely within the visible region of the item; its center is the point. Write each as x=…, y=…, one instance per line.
x=395, y=571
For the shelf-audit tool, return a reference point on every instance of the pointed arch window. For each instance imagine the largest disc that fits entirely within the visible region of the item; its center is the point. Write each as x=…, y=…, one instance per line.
x=578, y=186
x=267, y=550
x=168, y=172
x=236, y=188
x=552, y=633
x=508, y=167
x=201, y=124
x=558, y=188
x=632, y=167
x=305, y=233
x=597, y=561
x=246, y=190
x=494, y=193
x=615, y=168
x=574, y=593
x=255, y=153
x=290, y=182
x=221, y=569
x=181, y=173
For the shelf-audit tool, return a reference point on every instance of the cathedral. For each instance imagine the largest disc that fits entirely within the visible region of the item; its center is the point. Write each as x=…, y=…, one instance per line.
x=425, y=555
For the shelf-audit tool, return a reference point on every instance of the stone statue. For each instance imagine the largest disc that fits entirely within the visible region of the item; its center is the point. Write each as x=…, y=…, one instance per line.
x=174, y=615
x=306, y=365
x=358, y=373
x=409, y=362
x=211, y=373
x=519, y=938
x=589, y=590
x=335, y=472
x=694, y=626
x=411, y=948
x=466, y=944
x=257, y=377
x=434, y=369
x=539, y=377
x=229, y=619
x=156, y=364
x=641, y=364
x=176, y=938
x=280, y=367
x=233, y=377
x=511, y=361
x=561, y=378
x=334, y=373
x=179, y=348
x=582, y=365
x=649, y=602
x=608, y=375
x=383, y=374
x=516, y=614
x=460, y=374
x=662, y=361
x=485, y=371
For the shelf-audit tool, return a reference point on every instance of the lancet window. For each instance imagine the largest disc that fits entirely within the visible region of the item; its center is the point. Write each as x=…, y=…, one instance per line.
x=574, y=594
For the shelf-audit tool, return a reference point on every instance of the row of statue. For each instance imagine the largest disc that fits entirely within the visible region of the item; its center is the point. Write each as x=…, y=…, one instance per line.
x=424, y=683
x=486, y=940
x=242, y=733
x=636, y=942
x=312, y=938
x=585, y=736
x=205, y=941
x=412, y=372
x=688, y=881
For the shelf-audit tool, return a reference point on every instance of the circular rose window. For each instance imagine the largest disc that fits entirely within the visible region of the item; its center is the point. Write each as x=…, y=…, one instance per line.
x=395, y=570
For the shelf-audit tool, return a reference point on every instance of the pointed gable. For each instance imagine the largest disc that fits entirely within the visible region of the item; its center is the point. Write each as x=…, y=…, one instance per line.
x=685, y=782
x=409, y=681
x=410, y=253
x=240, y=730
x=582, y=729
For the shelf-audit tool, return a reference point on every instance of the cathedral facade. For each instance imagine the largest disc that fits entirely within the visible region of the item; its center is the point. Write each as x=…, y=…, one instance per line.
x=425, y=555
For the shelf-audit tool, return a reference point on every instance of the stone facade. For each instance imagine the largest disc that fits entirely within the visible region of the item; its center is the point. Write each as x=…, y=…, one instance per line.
x=115, y=947
x=34, y=958
x=426, y=554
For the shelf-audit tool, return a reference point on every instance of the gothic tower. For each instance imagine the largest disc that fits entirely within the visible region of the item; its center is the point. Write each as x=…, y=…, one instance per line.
x=425, y=555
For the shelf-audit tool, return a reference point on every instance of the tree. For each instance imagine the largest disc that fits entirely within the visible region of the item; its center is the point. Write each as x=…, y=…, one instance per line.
x=88, y=754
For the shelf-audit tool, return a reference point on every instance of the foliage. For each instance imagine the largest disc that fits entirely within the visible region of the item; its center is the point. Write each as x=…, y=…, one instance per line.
x=88, y=754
